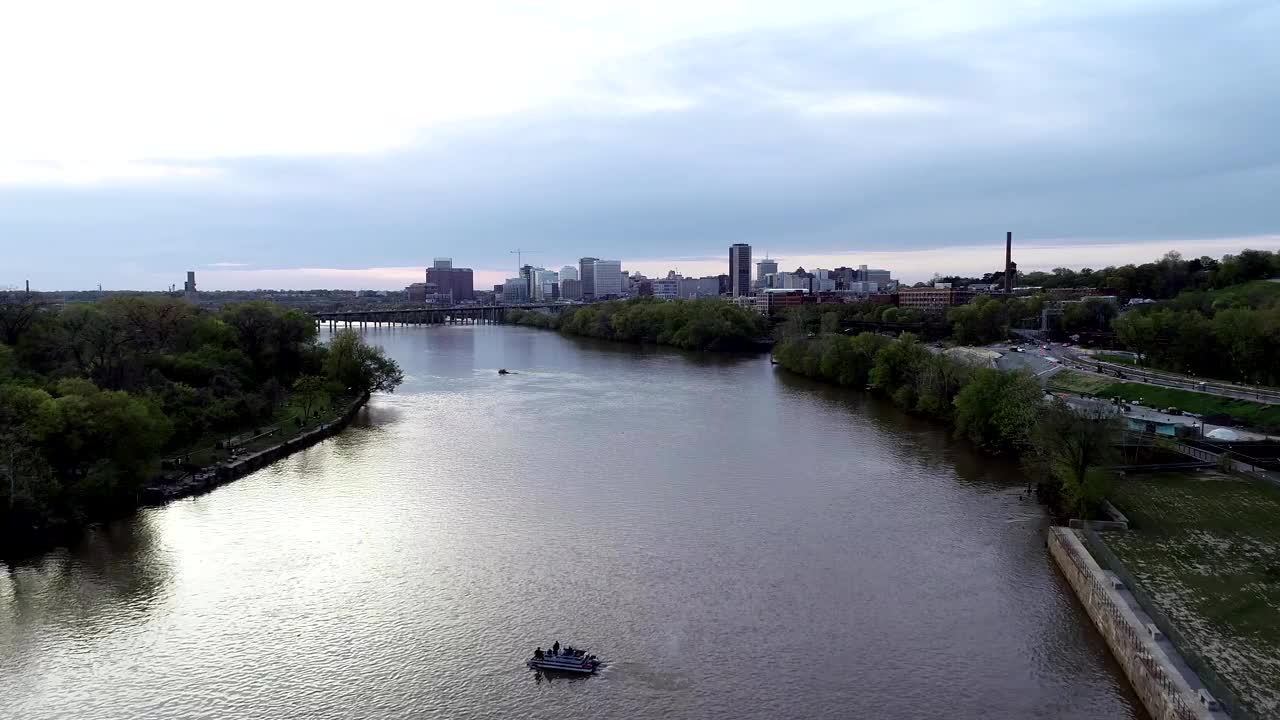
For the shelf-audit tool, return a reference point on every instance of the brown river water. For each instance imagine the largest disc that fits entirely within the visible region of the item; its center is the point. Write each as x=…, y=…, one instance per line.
x=736, y=541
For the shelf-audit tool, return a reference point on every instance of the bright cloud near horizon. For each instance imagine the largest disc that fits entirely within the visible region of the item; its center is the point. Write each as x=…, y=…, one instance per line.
x=301, y=144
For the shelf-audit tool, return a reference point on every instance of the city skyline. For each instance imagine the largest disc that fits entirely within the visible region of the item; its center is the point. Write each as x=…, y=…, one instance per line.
x=840, y=133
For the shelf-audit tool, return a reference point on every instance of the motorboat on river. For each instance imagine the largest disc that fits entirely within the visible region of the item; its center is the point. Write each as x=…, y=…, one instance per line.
x=566, y=659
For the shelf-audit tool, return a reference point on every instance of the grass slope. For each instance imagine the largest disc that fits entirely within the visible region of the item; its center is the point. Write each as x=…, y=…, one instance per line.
x=1252, y=413
x=1077, y=382
x=1206, y=548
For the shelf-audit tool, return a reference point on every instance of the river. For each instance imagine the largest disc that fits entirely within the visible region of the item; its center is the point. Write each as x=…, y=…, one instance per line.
x=738, y=542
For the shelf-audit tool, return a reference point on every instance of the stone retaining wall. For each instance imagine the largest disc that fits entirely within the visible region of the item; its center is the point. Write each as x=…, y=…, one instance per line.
x=1158, y=683
x=204, y=481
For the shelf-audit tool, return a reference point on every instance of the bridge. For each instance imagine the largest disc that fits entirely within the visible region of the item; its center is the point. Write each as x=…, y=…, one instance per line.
x=429, y=315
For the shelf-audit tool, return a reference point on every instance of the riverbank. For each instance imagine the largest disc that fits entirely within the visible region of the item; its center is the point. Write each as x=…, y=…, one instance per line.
x=210, y=477
x=197, y=482
x=1167, y=687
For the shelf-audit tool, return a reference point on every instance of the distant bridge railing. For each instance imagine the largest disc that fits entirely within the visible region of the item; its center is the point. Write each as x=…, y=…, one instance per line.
x=429, y=314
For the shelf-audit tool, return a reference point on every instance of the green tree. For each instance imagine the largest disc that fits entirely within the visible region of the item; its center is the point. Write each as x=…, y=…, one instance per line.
x=310, y=390
x=360, y=367
x=830, y=322
x=20, y=407
x=897, y=368
x=1072, y=446
x=103, y=442
x=997, y=410
x=1137, y=332
x=940, y=380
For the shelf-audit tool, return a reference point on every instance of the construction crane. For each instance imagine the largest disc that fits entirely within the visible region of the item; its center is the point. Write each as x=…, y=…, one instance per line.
x=519, y=253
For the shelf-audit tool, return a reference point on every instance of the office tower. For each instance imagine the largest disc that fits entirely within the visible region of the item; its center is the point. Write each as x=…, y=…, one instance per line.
x=571, y=289
x=587, y=274
x=455, y=283
x=765, y=268
x=545, y=283
x=568, y=272
x=606, y=278
x=515, y=290
x=740, y=269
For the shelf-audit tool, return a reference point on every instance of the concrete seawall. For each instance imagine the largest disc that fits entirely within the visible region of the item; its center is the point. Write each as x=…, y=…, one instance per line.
x=1157, y=674
x=208, y=480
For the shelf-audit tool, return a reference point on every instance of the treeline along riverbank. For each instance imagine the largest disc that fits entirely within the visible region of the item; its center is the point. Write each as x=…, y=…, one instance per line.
x=93, y=397
x=1001, y=412
x=711, y=324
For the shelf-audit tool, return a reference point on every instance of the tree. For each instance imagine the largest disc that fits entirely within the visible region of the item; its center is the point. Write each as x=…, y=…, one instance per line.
x=1137, y=331
x=101, y=441
x=940, y=379
x=897, y=367
x=830, y=322
x=1071, y=447
x=358, y=366
x=17, y=313
x=309, y=390
x=997, y=410
x=19, y=408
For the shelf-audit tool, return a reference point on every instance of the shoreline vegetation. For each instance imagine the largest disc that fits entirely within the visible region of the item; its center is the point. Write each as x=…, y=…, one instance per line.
x=710, y=325
x=999, y=411
x=105, y=407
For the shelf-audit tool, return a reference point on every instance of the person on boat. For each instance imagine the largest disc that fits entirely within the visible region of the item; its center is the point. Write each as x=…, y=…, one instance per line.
x=555, y=649
x=538, y=653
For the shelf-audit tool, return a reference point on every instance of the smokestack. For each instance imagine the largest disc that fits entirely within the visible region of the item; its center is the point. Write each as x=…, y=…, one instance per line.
x=28, y=287
x=1008, y=262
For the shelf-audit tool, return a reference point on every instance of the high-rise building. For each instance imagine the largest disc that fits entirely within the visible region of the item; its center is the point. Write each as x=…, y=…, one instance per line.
x=587, y=274
x=667, y=288
x=709, y=286
x=606, y=278
x=568, y=272
x=740, y=269
x=455, y=283
x=764, y=268
x=545, y=284
x=880, y=277
x=515, y=290
x=189, y=287
x=688, y=287
x=571, y=289
x=526, y=273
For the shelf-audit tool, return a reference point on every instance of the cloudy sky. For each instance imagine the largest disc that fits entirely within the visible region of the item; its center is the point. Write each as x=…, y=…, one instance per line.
x=332, y=144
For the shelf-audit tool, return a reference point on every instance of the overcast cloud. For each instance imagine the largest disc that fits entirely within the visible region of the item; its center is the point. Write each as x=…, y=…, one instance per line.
x=297, y=147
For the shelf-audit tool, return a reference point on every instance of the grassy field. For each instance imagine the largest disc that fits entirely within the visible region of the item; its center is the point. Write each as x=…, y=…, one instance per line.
x=1255, y=414
x=1258, y=293
x=1206, y=547
x=1077, y=382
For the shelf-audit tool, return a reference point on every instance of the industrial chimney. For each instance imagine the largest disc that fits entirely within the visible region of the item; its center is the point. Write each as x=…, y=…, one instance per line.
x=1008, y=263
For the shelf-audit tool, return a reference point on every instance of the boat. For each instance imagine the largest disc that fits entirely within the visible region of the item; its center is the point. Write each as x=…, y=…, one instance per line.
x=568, y=660
x=504, y=371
